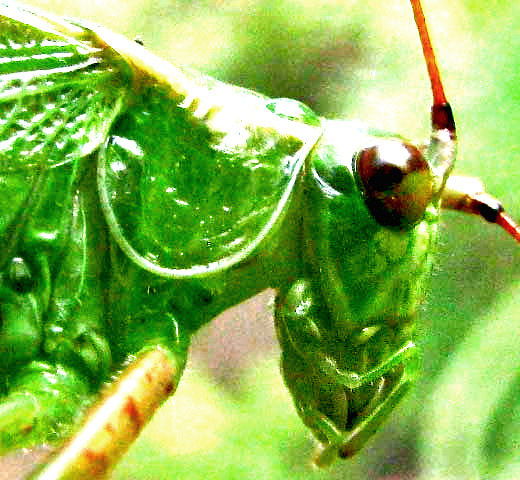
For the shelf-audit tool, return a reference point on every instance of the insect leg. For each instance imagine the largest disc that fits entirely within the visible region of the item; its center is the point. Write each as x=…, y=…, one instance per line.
x=296, y=329
x=118, y=419
x=307, y=395
x=298, y=326
x=42, y=402
x=353, y=380
x=330, y=399
x=51, y=290
x=354, y=440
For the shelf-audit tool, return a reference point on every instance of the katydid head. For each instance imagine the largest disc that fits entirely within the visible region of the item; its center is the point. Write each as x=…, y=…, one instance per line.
x=367, y=270
x=398, y=181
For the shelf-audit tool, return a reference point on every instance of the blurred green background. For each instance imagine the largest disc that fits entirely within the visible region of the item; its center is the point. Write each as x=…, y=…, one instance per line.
x=231, y=417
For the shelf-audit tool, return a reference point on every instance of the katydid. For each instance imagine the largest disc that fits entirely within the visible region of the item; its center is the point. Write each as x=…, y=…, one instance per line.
x=138, y=201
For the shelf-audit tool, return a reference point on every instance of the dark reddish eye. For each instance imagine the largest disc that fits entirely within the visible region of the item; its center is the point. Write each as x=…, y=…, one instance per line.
x=397, y=182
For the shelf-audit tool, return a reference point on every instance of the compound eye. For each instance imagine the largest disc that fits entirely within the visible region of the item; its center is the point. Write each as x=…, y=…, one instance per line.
x=397, y=182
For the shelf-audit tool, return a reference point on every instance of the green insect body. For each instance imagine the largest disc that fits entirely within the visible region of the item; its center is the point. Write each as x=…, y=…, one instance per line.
x=137, y=202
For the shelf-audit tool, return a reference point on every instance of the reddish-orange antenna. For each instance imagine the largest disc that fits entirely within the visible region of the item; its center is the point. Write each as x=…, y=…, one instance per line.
x=459, y=193
x=439, y=97
x=442, y=116
x=509, y=225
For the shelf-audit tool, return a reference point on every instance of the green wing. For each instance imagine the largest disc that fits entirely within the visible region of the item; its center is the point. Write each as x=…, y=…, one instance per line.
x=193, y=187
x=196, y=173
x=59, y=94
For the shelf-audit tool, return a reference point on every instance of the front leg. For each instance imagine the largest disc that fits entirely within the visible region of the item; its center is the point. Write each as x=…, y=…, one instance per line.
x=343, y=400
x=44, y=364
x=51, y=292
x=354, y=440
